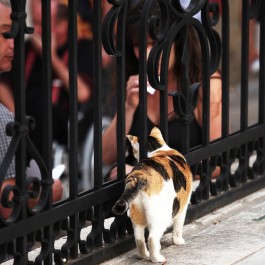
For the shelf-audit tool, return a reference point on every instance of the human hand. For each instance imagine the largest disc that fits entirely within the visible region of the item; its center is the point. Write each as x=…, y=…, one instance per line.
x=37, y=43
x=132, y=98
x=57, y=190
x=53, y=45
x=114, y=172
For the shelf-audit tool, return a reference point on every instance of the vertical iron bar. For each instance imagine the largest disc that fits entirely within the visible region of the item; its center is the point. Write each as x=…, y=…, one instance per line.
x=20, y=117
x=225, y=68
x=121, y=92
x=205, y=85
x=97, y=73
x=73, y=163
x=262, y=65
x=143, y=80
x=206, y=104
x=185, y=83
x=261, y=118
x=72, y=65
x=20, y=110
x=205, y=179
x=164, y=113
x=244, y=66
x=47, y=109
x=244, y=81
x=46, y=90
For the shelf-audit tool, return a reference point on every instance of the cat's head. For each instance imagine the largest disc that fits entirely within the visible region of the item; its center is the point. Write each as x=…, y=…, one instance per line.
x=155, y=141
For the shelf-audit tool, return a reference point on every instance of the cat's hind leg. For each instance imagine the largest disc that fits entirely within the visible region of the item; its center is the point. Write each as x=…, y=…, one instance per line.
x=154, y=245
x=178, y=223
x=142, y=251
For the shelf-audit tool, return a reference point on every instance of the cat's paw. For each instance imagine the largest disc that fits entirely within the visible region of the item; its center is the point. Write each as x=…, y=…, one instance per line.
x=145, y=255
x=158, y=258
x=178, y=240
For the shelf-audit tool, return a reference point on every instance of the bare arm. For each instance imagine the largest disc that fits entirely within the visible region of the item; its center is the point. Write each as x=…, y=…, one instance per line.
x=215, y=111
x=215, y=107
x=109, y=141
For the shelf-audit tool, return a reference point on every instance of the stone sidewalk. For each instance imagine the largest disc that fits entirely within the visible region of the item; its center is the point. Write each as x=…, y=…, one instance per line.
x=234, y=234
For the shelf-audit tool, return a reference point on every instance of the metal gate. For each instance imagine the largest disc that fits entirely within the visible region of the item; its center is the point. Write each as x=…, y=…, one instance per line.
x=81, y=228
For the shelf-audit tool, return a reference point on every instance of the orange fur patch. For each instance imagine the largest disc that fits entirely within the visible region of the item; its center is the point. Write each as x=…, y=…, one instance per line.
x=137, y=215
x=157, y=134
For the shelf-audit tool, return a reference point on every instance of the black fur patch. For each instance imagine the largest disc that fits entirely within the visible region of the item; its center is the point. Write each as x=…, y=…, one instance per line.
x=179, y=179
x=157, y=167
x=152, y=144
x=130, y=158
x=179, y=160
x=120, y=207
x=176, y=206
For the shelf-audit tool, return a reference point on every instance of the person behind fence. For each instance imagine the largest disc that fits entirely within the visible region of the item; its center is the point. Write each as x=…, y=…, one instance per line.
x=6, y=116
x=109, y=148
x=60, y=72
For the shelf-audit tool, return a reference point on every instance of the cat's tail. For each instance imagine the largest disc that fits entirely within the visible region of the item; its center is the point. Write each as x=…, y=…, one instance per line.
x=134, y=184
x=120, y=207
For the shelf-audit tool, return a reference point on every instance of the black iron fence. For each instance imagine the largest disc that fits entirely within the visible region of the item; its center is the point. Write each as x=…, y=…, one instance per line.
x=81, y=228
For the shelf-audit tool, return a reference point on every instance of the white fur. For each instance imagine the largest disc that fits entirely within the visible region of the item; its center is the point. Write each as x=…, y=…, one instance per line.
x=162, y=148
x=158, y=211
x=136, y=152
x=178, y=223
x=157, y=206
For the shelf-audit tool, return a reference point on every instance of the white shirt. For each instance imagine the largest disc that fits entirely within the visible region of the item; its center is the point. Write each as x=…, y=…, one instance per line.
x=185, y=4
x=5, y=117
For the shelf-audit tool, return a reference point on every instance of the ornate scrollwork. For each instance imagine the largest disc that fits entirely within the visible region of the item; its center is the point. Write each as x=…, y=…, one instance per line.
x=238, y=174
x=181, y=18
x=91, y=239
x=111, y=45
x=258, y=165
x=18, y=131
x=183, y=106
x=18, y=17
x=221, y=182
x=192, y=9
x=256, y=159
x=120, y=227
x=62, y=255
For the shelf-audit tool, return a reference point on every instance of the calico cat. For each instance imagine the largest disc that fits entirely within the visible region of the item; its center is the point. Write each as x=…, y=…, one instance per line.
x=157, y=193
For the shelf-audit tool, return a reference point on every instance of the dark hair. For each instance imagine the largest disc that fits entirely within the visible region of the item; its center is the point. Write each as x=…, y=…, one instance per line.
x=62, y=12
x=132, y=34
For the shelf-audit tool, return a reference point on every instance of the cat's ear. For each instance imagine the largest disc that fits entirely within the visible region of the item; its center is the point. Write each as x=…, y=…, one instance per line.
x=133, y=146
x=133, y=142
x=132, y=139
x=156, y=133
